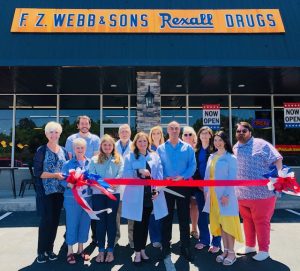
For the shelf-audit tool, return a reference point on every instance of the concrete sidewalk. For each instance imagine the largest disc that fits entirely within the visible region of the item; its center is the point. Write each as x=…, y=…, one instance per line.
x=8, y=203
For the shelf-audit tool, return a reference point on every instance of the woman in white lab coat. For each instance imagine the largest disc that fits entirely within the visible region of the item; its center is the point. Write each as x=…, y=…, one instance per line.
x=140, y=201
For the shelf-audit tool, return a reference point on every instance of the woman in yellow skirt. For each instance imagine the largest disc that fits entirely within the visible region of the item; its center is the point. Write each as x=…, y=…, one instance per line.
x=221, y=202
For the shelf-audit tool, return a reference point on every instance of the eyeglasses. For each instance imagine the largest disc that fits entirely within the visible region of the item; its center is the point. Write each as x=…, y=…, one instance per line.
x=244, y=131
x=190, y=134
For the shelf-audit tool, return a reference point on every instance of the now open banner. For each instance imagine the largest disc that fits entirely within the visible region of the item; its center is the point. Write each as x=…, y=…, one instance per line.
x=292, y=115
x=211, y=116
x=40, y=20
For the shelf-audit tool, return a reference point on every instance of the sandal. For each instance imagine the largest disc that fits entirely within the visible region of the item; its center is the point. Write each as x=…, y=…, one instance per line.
x=84, y=256
x=109, y=257
x=213, y=249
x=100, y=257
x=227, y=261
x=195, y=234
x=137, y=263
x=220, y=258
x=200, y=246
x=71, y=259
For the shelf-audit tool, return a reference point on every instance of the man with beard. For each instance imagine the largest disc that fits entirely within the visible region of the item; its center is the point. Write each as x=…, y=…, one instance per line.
x=179, y=163
x=92, y=148
x=93, y=141
x=256, y=203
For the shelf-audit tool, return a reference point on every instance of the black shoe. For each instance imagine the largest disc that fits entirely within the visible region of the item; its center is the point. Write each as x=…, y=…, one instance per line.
x=94, y=242
x=137, y=263
x=41, y=258
x=52, y=256
x=146, y=260
x=187, y=254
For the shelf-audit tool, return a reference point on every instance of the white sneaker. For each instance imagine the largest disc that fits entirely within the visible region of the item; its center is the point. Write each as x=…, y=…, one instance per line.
x=156, y=244
x=246, y=250
x=261, y=256
x=169, y=264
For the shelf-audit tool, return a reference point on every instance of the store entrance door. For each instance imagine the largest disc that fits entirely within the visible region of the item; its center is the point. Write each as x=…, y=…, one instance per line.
x=111, y=130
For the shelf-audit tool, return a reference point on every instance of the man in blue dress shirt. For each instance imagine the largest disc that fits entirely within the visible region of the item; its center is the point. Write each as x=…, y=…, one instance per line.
x=179, y=163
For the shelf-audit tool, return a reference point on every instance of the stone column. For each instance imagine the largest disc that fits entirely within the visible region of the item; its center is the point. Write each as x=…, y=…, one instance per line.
x=147, y=117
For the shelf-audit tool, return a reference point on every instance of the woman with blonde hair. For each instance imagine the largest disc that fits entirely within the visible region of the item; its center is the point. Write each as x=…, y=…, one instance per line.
x=156, y=138
x=139, y=201
x=189, y=136
x=108, y=164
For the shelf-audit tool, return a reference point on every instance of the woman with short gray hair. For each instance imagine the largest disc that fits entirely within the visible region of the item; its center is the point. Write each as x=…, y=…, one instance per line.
x=48, y=162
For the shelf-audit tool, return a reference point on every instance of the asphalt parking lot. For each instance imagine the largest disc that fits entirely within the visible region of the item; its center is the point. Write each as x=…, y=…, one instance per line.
x=18, y=238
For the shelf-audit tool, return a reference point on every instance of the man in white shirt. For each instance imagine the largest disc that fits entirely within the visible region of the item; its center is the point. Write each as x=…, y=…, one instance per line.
x=123, y=146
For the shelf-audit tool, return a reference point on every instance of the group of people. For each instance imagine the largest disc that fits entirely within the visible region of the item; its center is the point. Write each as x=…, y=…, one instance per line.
x=204, y=155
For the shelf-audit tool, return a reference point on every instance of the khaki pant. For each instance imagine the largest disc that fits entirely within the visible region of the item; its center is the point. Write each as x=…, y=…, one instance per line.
x=130, y=227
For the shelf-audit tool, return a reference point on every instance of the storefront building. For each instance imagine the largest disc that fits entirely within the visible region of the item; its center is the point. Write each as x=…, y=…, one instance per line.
x=64, y=58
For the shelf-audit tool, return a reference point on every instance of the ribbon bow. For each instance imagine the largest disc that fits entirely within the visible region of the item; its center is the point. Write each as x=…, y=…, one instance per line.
x=79, y=179
x=283, y=181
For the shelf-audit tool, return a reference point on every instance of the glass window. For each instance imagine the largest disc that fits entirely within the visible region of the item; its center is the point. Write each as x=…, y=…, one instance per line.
x=32, y=114
x=173, y=108
x=6, y=105
x=196, y=112
x=73, y=106
x=257, y=111
x=133, y=102
x=115, y=109
x=287, y=139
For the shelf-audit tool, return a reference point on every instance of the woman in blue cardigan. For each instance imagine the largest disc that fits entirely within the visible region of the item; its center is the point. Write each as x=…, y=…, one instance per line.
x=108, y=164
x=139, y=201
x=77, y=220
x=221, y=202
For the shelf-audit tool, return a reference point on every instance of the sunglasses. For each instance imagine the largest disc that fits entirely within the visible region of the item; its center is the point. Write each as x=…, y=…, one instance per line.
x=190, y=134
x=244, y=131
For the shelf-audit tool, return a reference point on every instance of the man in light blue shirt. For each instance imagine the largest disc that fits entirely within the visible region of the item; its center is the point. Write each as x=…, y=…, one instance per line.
x=92, y=141
x=179, y=163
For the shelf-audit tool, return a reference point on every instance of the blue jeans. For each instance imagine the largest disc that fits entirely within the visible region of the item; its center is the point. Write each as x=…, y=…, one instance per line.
x=77, y=221
x=154, y=229
x=108, y=222
x=203, y=222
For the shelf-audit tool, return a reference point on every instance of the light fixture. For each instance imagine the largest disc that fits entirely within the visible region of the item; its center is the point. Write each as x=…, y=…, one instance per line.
x=49, y=85
x=179, y=86
x=113, y=86
x=241, y=86
x=149, y=98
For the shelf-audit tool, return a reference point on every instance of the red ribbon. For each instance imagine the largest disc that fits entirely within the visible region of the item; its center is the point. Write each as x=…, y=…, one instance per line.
x=187, y=183
x=286, y=184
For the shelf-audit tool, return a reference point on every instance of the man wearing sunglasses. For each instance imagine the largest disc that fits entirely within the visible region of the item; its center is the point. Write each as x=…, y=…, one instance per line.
x=256, y=203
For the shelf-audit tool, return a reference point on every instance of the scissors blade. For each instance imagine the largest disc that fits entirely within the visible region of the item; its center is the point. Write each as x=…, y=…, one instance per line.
x=170, y=191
